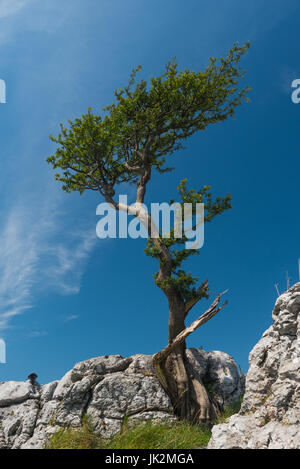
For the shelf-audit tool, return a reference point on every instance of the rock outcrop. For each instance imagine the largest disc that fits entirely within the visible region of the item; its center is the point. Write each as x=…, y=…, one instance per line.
x=270, y=412
x=106, y=389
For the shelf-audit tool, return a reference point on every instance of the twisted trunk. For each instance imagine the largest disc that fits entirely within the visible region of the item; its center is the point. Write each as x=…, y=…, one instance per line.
x=189, y=397
x=187, y=392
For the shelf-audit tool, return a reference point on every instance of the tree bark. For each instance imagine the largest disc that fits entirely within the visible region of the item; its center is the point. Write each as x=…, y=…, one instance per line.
x=187, y=392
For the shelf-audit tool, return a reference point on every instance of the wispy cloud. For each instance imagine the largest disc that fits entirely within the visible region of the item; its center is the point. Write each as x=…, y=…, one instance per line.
x=36, y=334
x=64, y=274
x=38, y=251
x=72, y=317
x=34, y=258
x=18, y=16
x=18, y=260
x=10, y=7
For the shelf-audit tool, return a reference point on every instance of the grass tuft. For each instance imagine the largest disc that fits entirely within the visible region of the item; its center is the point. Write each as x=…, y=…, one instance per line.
x=75, y=438
x=230, y=410
x=146, y=435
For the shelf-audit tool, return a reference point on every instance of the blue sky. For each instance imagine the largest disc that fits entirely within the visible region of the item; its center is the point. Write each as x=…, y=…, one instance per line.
x=65, y=295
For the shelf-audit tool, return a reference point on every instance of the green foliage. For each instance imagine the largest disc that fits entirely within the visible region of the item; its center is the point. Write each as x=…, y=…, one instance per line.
x=87, y=155
x=184, y=281
x=146, y=124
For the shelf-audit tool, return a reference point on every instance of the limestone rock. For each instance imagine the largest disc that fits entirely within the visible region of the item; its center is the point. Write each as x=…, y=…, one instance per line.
x=270, y=412
x=106, y=389
x=13, y=392
x=218, y=372
x=18, y=423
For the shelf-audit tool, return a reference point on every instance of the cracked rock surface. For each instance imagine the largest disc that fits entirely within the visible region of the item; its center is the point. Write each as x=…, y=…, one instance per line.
x=107, y=389
x=270, y=412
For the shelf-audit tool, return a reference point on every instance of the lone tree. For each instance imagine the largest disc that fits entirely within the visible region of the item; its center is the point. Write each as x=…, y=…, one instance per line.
x=146, y=124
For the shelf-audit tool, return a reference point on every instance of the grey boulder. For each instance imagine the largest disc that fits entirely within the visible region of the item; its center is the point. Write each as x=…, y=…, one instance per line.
x=270, y=412
x=106, y=389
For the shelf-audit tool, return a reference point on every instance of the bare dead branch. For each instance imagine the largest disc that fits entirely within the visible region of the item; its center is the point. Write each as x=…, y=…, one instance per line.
x=191, y=303
x=205, y=317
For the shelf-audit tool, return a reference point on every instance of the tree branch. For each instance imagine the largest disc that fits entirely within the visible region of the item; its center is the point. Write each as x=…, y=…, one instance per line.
x=134, y=169
x=205, y=317
x=191, y=303
x=141, y=186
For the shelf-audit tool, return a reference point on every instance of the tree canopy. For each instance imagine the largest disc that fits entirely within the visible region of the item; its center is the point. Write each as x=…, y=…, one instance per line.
x=146, y=124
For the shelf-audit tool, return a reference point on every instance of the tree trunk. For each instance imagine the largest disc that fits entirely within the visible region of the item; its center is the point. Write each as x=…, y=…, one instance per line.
x=187, y=392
